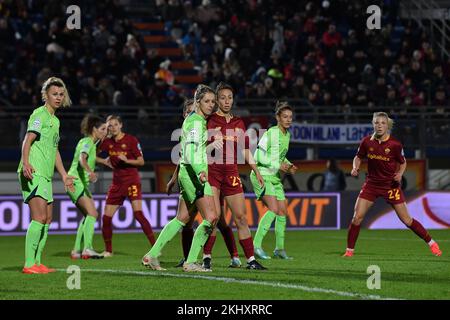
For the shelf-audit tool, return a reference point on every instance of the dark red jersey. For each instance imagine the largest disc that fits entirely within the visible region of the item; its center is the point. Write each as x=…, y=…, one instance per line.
x=384, y=158
x=128, y=146
x=234, y=138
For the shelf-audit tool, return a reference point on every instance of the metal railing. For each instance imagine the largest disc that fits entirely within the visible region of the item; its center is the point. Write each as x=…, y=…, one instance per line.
x=431, y=17
x=419, y=127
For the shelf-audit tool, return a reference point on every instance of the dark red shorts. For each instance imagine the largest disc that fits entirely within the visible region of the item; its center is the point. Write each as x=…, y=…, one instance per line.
x=226, y=180
x=392, y=195
x=118, y=192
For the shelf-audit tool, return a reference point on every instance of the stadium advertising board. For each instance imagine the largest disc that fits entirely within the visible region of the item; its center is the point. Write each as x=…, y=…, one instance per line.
x=305, y=211
x=329, y=133
x=310, y=175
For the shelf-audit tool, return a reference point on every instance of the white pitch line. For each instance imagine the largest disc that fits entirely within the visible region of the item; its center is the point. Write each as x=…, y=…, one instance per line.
x=382, y=239
x=241, y=281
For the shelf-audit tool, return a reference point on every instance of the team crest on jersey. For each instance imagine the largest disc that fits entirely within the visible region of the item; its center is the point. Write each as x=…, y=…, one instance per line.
x=370, y=149
x=387, y=150
x=124, y=146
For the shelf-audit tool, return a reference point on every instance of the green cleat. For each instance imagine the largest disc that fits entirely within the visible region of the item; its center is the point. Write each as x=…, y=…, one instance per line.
x=235, y=263
x=259, y=252
x=281, y=254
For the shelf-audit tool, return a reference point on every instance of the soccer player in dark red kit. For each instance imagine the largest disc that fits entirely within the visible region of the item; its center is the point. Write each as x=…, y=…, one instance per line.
x=223, y=175
x=386, y=165
x=124, y=156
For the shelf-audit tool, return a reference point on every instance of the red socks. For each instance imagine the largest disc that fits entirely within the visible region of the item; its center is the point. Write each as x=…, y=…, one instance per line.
x=107, y=232
x=353, y=232
x=209, y=245
x=247, y=245
x=228, y=237
x=145, y=225
x=418, y=229
x=187, y=234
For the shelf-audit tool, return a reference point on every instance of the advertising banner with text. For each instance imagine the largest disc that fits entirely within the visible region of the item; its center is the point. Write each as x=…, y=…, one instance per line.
x=305, y=211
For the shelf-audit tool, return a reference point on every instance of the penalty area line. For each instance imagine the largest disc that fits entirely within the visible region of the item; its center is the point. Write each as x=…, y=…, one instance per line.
x=241, y=281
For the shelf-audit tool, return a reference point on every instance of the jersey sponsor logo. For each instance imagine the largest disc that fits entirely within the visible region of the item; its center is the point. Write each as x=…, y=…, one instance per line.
x=387, y=150
x=378, y=157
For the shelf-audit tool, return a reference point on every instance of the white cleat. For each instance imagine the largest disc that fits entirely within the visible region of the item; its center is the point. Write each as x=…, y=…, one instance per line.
x=91, y=254
x=106, y=254
x=194, y=267
x=75, y=254
x=152, y=263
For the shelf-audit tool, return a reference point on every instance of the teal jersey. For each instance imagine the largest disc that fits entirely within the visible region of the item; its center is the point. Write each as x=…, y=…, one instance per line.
x=87, y=146
x=43, y=150
x=271, y=152
x=193, y=143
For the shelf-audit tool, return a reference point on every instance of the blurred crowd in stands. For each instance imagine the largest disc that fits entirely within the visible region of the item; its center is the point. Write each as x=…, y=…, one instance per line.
x=318, y=51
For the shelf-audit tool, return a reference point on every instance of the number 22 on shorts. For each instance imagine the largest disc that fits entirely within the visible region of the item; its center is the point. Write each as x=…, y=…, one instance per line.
x=394, y=194
x=132, y=190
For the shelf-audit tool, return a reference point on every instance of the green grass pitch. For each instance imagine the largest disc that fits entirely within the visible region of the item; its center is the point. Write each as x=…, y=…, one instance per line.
x=408, y=270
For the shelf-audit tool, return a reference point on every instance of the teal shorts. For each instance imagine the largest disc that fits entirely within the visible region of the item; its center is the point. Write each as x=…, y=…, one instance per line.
x=191, y=188
x=272, y=187
x=36, y=187
x=80, y=190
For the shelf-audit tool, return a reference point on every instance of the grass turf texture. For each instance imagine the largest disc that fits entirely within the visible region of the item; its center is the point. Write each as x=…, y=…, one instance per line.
x=408, y=270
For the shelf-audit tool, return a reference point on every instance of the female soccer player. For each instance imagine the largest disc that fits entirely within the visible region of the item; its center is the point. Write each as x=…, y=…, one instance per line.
x=40, y=156
x=125, y=156
x=187, y=232
x=194, y=186
x=224, y=176
x=271, y=159
x=83, y=165
x=386, y=165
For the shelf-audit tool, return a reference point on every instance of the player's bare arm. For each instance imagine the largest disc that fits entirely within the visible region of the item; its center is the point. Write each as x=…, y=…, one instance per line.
x=26, y=146
x=251, y=162
x=399, y=174
x=172, y=180
x=68, y=180
x=83, y=162
x=356, y=166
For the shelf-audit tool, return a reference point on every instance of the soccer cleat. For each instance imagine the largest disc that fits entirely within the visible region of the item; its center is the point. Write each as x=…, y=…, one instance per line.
x=255, y=265
x=281, y=253
x=348, y=253
x=207, y=263
x=74, y=254
x=235, y=263
x=194, y=267
x=435, y=249
x=45, y=269
x=152, y=263
x=180, y=264
x=106, y=254
x=34, y=269
x=260, y=253
x=91, y=254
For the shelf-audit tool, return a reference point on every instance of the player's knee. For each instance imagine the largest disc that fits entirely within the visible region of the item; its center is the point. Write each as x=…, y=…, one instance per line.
x=241, y=220
x=357, y=220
